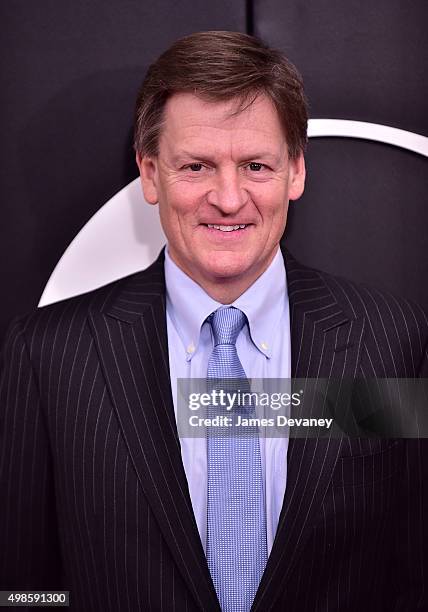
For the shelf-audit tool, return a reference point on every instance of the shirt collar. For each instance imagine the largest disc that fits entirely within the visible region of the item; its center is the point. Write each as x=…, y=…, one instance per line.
x=263, y=303
x=188, y=305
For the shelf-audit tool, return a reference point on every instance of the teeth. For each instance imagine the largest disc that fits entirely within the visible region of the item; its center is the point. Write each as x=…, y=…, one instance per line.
x=227, y=228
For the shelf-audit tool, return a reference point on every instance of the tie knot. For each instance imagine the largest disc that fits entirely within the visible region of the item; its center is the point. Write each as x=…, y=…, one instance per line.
x=226, y=324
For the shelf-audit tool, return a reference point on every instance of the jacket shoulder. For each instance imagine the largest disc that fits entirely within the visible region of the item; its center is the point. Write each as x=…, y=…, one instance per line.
x=72, y=313
x=395, y=326
x=363, y=299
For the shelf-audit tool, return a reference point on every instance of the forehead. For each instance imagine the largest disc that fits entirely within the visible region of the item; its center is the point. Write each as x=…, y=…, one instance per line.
x=189, y=117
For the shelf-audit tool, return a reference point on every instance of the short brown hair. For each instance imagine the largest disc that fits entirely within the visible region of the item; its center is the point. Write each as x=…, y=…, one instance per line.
x=219, y=66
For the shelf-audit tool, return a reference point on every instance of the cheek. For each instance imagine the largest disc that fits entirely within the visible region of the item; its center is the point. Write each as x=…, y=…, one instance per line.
x=274, y=212
x=177, y=215
x=274, y=217
x=181, y=198
x=270, y=197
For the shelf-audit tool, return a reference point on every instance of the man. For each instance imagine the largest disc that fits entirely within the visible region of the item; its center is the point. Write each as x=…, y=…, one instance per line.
x=99, y=494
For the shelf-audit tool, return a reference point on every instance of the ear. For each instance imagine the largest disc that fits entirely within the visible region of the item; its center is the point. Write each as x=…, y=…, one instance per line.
x=296, y=177
x=148, y=175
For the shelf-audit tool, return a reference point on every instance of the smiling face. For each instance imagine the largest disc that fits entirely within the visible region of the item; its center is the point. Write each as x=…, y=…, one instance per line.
x=223, y=182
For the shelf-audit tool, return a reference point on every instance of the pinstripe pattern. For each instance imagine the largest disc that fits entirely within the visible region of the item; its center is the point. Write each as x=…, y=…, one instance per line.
x=93, y=491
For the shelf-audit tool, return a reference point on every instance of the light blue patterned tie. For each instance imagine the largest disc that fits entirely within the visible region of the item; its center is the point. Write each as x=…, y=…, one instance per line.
x=236, y=525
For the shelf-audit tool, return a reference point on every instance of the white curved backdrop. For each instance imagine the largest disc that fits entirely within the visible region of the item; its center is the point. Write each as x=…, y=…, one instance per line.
x=369, y=131
x=125, y=235
x=122, y=237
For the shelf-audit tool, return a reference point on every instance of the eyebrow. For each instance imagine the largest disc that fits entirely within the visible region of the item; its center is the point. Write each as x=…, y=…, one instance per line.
x=182, y=155
x=261, y=155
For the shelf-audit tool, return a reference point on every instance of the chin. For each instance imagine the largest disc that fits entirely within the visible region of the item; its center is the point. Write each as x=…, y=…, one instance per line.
x=225, y=268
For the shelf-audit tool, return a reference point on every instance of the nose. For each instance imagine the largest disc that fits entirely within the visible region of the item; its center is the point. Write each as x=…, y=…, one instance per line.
x=227, y=193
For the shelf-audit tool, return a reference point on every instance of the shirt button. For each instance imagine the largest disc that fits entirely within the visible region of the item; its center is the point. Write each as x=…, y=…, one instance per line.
x=191, y=348
x=264, y=346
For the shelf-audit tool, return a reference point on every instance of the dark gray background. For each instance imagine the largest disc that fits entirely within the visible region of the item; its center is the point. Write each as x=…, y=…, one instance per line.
x=69, y=73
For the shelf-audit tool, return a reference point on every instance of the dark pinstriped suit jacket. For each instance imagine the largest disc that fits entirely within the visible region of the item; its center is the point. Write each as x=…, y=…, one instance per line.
x=94, y=496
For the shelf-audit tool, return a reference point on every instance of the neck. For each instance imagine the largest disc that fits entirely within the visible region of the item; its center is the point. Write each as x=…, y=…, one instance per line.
x=225, y=292
x=228, y=289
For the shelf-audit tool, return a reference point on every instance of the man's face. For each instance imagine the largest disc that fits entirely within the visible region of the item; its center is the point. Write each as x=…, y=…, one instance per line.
x=223, y=182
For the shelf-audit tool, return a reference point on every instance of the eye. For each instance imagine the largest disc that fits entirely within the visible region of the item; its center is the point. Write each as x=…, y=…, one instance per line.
x=195, y=167
x=256, y=166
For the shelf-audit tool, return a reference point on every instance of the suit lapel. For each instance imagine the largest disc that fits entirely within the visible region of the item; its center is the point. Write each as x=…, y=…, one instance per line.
x=131, y=337
x=325, y=342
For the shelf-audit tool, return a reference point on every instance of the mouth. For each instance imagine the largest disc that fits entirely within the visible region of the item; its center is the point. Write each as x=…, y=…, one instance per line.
x=227, y=228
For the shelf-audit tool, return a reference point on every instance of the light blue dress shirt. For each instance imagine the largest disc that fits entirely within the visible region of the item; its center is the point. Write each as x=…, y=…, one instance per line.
x=263, y=347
